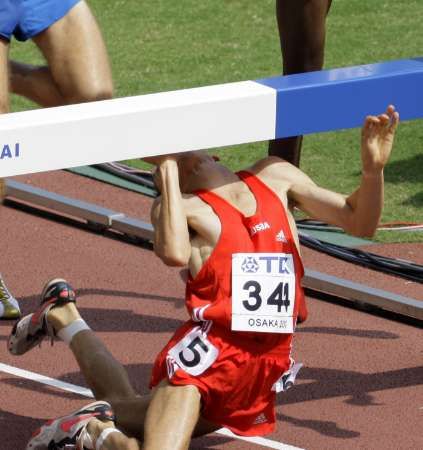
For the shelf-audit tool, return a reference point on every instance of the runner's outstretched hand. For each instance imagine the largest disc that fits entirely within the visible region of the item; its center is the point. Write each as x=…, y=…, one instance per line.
x=377, y=137
x=160, y=159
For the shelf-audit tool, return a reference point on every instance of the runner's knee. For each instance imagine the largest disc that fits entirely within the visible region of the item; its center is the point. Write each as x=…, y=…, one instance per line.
x=307, y=59
x=130, y=444
x=4, y=107
x=122, y=442
x=97, y=91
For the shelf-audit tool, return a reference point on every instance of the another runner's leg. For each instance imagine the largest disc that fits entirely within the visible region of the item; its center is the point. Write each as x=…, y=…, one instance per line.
x=78, y=67
x=302, y=30
x=4, y=91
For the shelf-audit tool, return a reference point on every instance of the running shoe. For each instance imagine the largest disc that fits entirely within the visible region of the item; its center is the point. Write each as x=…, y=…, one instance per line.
x=9, y=306
x=63, y=433
x=33, y=328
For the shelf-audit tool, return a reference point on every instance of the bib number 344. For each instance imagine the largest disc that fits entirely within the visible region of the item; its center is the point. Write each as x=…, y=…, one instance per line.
x=263, y=292
x=279, y=297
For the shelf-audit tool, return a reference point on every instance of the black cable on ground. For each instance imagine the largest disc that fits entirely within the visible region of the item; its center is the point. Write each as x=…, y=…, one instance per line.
x=312, y=224
x=405, y=269
x=138, y=177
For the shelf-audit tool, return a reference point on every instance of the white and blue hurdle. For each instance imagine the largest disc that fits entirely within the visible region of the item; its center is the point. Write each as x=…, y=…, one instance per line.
x=201, y=118
x=206, y=117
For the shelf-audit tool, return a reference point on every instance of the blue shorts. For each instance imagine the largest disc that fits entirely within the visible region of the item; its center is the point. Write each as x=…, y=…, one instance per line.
x=24, y=19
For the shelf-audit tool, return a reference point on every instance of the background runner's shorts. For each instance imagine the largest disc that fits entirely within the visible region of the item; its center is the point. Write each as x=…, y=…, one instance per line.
x=26, y=18
x=235, y=382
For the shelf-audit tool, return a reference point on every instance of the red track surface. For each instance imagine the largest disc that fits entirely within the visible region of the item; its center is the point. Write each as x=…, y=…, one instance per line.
x=362, y=377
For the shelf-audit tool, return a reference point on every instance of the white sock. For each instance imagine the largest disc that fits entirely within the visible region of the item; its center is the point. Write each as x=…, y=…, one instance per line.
x=85, y=439
x=103, y=436
x=67, y=333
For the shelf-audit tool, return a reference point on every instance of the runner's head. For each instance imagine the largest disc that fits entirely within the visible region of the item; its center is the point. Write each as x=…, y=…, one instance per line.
x=189, y=166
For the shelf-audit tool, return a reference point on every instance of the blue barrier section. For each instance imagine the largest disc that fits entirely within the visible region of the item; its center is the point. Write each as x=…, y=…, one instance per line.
x=341, y=98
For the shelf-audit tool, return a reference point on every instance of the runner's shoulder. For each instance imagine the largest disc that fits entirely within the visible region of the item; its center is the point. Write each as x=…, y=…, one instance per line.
x=193, y=205
x=276, y=170
x=276, y=173
x=272, y=166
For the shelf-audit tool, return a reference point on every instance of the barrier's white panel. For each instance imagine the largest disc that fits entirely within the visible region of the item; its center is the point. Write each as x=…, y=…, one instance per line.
x=131, y=127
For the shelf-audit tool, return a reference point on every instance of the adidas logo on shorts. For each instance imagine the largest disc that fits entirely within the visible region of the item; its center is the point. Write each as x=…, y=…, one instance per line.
x=261, y=418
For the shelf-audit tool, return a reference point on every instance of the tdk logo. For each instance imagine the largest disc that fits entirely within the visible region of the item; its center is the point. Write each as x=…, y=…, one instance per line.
x=259, y=227
x=10, y=151
x=268, y=264
x=250, y=265
x=276, y=264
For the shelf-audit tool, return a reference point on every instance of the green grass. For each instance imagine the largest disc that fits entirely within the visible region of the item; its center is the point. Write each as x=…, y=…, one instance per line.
x=163, y=45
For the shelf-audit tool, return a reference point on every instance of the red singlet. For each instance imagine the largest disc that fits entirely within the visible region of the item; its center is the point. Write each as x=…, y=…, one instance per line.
x=235, y=371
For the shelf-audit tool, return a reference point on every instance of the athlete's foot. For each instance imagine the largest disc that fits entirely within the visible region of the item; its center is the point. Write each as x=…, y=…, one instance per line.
x=95, y=427
x=62, y=316
x=70, y=431
x=32, y=329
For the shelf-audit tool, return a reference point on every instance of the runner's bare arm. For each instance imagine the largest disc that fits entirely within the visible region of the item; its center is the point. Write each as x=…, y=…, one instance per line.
x=359, y=213
x=171, y=236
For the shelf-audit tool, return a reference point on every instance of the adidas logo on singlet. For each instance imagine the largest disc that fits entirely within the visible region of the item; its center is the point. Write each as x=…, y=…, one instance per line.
x=259, y=227
x=280, y=237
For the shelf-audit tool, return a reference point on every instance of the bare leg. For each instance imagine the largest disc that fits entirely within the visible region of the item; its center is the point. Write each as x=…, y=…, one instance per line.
x=78, y=67
x=4, y=76
x=113, y=384
x=108, y=380
x=35, y=83
x=171, y=418
x=302, y=33
x=4, y=91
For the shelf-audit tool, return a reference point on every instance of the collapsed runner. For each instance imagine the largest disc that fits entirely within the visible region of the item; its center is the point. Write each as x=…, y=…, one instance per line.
x=224, y=366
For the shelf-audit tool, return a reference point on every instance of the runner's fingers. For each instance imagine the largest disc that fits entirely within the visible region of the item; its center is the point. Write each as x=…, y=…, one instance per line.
x=384, y=120
x=394, y=121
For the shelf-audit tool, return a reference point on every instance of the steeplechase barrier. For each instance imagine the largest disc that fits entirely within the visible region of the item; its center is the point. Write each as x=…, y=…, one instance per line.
x=206, y=117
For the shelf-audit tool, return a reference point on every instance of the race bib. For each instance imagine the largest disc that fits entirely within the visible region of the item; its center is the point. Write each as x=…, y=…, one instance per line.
x=263, y=292
x=194, y=353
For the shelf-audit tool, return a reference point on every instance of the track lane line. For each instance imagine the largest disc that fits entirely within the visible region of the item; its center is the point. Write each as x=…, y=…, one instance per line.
x=62, y=385
x=84, y=392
